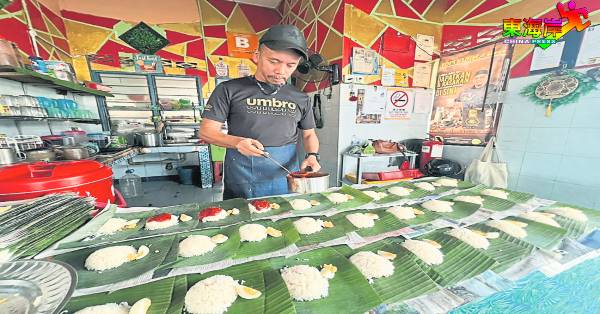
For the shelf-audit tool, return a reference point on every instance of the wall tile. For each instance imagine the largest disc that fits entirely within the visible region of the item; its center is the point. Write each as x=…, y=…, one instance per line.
x=575, y=194
x=513, y=160
x=587, y=111
x=542, y=166
x=583, y=142
x=547, y=140
x=538, y=186
x=561, y=117
x=579, y=170
x=513, y=138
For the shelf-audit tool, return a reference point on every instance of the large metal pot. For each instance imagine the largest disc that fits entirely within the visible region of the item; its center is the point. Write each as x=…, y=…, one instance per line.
x=41, y=155
x=308, y=182
x=8, y=156
x=149, y=139
x=73, y=152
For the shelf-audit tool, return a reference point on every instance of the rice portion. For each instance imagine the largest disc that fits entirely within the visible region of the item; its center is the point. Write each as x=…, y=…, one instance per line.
x=375, y=195
x=111, y=226
x=300, y=204
x=305, y=283
x=372, y=265
x=211, y=295
x=438, y=206
x=447, y=182
x=425, y=186
x=308, y=225
x=471, y=238
x=474, y=199
x=109, y=308
x=109, y=257
x=253, y=233
x=255, y=211
x=401, y=212
x=337, y=198
x=424, y=251
x=361, y=220
x=495, y=193
x=400, y=191
x=569, y=212
x=543, y=218
x=196, y=245
x=155, y=225
x=508, y=227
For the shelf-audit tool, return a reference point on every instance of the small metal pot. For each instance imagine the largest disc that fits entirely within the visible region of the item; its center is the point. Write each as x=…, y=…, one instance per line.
x=308, y=182
x=148, y=139
x=73, y=152
x=41, y=155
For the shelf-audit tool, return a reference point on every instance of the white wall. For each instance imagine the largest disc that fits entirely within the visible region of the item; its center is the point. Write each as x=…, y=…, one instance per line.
x=9, y=127
x=396, y=130
x=329, y=134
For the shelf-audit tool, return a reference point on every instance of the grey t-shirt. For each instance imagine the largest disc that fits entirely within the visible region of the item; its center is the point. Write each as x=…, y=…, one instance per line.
x=273, y=120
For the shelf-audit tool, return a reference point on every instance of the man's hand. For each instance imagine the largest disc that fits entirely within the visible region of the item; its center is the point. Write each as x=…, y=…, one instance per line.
x=312, y=162
x=250, y=147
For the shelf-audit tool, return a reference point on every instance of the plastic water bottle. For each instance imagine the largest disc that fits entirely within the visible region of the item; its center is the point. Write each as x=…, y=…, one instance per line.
x=130, y=184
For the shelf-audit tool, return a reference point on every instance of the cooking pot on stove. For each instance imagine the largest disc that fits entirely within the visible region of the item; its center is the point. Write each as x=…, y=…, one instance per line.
x=306, y=181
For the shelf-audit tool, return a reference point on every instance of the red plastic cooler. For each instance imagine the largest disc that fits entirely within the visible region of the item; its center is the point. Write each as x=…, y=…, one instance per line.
x=31, y=180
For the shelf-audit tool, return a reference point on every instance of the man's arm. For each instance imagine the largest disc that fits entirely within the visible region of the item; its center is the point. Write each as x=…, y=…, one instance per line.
x=311, y=145
x=210, y=132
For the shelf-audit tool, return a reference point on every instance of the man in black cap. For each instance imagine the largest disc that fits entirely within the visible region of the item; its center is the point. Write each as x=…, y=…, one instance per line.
x=263, y=114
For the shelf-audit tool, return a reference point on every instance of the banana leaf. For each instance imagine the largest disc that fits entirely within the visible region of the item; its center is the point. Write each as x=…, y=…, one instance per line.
x=505, y=250
x=277, y=297
x=284, y=207
x=142, y=215
x=119, y=236
x=391, y=198
x=541, y=235
x=593, y=215
x=159, y=292
x=408, y=280
x=178, y=297
x=270, y=244
x=221, y=252
x=574, y=228
x=462, y=185
x=489, y=202
x=341, y=226
x=129, y=270
x=349, y=291
x=324, y=204
x=459, y=210
x=238, y=203
x=461, y=261
x=513, y=196
x=359, y=199
x=386, y=223
x=251, y=274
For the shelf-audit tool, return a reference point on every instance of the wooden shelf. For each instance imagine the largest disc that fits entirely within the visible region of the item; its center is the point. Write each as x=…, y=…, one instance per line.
x=27, y=76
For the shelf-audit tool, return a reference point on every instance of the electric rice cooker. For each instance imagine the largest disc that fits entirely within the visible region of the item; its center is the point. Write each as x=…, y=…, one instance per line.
x=31, y=180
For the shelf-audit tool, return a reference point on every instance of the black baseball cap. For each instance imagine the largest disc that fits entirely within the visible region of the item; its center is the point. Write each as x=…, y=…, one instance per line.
x=284, y=36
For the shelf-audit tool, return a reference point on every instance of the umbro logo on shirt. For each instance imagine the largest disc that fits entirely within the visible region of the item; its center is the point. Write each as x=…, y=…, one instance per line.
x=273, y=102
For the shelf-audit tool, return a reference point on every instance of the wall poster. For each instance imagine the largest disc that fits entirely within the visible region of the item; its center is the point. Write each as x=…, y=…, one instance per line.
x=468, y=97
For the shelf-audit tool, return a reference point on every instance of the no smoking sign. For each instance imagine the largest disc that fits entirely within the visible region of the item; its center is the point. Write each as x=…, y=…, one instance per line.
x=399, y=99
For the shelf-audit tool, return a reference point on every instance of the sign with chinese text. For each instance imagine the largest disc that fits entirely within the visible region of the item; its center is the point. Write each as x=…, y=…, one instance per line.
x=547, y=31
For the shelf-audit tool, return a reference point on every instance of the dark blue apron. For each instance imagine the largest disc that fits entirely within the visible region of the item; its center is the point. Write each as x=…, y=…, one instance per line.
x=250, y=177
